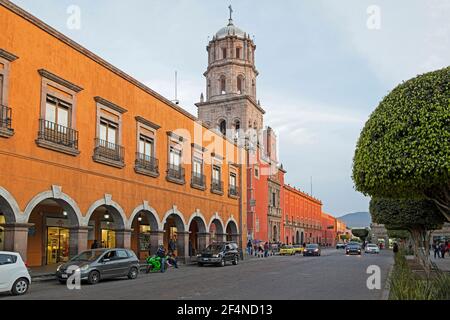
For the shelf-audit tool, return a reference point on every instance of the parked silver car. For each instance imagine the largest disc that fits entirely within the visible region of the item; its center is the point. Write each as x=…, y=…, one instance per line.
x=98, y=264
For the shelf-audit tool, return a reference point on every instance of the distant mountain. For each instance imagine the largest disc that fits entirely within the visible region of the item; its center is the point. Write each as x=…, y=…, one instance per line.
x=357, y=219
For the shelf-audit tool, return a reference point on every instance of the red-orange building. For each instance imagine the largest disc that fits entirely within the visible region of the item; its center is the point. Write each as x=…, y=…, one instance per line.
x=302, y=217
x=89, y=153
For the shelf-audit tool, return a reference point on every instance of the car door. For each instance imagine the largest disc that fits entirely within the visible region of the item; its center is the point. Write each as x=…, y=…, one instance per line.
x=108, y=264
x=8, y=267
x=123, y=262
x=228, y=253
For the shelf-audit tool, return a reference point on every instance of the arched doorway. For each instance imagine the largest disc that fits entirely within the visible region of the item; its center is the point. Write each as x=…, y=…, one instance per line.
x=143, y=224
x=54, y=226
x=302, y=237
x=216, y=231
x=174, y=235
x=8, y=211
x=297, y=237
x=275, y=234
x=232, y=231
x=197, y=236
x=107, y=227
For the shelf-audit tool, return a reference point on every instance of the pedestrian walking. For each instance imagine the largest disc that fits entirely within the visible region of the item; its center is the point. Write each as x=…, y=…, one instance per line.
x=266, y=250
x=443, y=249
x=249, y=247
x=172, y=245
x=395, y=248
x=95, y=245
x=436, y=250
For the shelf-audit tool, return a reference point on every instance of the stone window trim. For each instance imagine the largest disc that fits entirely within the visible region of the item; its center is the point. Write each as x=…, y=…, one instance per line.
x=217, y=189
x=143, y=125
x=117, y=112
x=233, y=194
x=66, y=92
x=216, y=156
x=198, y=156
x=174, y=139
x=5, y=59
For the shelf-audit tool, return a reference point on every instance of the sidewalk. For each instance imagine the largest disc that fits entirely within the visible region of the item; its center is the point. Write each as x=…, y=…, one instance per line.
x=442, y=264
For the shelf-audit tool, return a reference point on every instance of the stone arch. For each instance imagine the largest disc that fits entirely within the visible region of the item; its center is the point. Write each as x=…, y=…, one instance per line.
x=9, y=206
x=240, y=84
x=198, y=216
x=218, y=222
x=180, y=222
x=222, y=125
x=65, y=201
x=233, y=225
x=118, y=213
x=222, y=84
x=155, y=224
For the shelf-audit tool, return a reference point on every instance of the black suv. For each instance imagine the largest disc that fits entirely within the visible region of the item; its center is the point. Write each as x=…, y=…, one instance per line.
x=219, y=254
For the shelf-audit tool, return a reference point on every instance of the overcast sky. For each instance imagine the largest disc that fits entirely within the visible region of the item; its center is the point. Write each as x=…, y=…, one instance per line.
x=322, y=69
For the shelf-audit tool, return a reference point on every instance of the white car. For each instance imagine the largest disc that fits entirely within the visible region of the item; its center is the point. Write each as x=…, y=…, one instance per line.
x=14, y=275
x=372, y=248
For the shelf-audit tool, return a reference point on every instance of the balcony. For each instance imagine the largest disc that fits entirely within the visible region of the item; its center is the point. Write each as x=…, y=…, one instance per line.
x=175, y=174
x=5, y=122
x=217, y=187
x=57, y=137
x=198, y=181
x=146, y=165
x=233, y=192
x=109, y=153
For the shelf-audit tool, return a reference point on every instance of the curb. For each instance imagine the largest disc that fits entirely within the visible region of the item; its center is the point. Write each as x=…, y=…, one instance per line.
x=387, y=289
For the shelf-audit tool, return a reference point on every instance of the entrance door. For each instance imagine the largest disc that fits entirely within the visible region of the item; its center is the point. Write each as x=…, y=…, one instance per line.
x=108, y=239
x=57, y=245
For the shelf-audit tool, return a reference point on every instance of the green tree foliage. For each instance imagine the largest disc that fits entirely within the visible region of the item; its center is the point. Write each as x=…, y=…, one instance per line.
x=418, y=217
x=360, y=233
x=398, y=234
x=404, y=149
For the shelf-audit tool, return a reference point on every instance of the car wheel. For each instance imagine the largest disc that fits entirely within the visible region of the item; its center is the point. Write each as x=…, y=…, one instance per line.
x=62, y=281
x=20, y=287
x=94, y=277
x=222, y=263
x=235, y=261
x=200, y=264
x=133, y=273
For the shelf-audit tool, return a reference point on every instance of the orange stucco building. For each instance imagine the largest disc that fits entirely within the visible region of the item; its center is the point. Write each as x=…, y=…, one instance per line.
x=302, y=217
x=89, y=153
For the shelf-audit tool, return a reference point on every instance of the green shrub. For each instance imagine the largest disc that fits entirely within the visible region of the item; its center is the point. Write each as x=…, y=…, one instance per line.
x=405, y=285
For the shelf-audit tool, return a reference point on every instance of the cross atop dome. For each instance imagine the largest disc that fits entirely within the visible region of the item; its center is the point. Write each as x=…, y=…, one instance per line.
x=230, y=21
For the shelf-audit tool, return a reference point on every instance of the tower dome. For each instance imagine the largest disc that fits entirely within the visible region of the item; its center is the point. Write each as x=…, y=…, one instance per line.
x=230, y=29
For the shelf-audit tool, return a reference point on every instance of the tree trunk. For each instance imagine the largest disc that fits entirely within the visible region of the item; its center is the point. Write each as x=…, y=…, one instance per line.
x=421, y=248
x=441, y=197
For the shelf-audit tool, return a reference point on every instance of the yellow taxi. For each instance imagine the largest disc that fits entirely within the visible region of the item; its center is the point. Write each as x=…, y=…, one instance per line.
x=287, y=250
x=298, y=248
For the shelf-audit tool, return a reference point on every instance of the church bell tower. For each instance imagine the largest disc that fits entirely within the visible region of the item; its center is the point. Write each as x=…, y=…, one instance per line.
x=231, y=104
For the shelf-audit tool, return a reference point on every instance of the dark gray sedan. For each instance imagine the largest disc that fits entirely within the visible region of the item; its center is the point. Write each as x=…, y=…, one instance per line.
x=98, y=264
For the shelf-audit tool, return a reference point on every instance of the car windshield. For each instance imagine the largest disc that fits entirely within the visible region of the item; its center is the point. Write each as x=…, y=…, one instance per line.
x=372, y=245
x=312, y=246
x=88, y=255
x=214, y=248
x=286, y=247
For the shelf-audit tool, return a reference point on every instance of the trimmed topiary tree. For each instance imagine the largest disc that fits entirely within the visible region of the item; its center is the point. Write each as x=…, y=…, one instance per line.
x=418, y=217
x=404, y=149
x=361, y=233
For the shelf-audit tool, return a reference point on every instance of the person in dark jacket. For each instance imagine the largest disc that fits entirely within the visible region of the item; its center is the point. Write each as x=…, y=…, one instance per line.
x=395, y=247
x=95, y=245
x=162, y=254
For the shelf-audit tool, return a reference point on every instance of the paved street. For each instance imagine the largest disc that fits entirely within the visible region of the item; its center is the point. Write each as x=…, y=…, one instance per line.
x=331, y=276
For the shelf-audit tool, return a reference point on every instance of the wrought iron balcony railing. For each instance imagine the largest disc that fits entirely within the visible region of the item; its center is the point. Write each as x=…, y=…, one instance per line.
x=108, y=150
x=5, y=117
x=217, y=186
x=146, y=163
x=198, y=180
x=58, y=134
x=233, y=191
x=175, y=172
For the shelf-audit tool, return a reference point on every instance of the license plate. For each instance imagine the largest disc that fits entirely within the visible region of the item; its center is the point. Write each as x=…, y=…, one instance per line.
x=64, y=276
x=205, y=259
